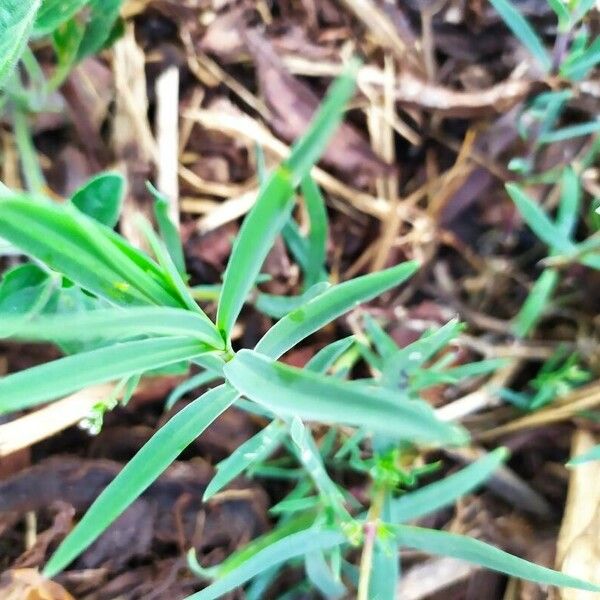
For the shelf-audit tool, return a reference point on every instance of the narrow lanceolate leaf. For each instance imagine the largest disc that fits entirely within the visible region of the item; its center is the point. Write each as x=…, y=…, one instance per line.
x=292, y=546
x=289, y=392
x=317, y=236
x=407, y=360
x=112, y=324
x=522, y=29
x=274, y=204
x=279, y=306
x=320, y=575
x=139, y=473
x=307, y=150
x=307, y=453
x=256, y=449
x=536, y=302
x=324, y=359
x=570, y=199
x=257, y=235
x=89, y=254
x=332, y=303
x=382, y=341
x=167, y=229
x=539, y=222
x=65, y=375
x=16, y=21
x=445, y=492
x=480, y=553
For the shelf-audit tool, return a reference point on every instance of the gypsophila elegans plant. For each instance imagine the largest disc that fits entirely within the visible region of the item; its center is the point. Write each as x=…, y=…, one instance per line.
x=119, y=313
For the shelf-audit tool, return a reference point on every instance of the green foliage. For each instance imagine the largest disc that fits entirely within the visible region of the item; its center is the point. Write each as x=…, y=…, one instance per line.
x=132, y=314
x=523, y=30
x=66, y=375
x=329, y=305
x=53, y=13
x=445, y=492
x=274, y=205
x=101, y=198
x=16, y=22
x=560, y=374
x=480, y=553
x=154, y=457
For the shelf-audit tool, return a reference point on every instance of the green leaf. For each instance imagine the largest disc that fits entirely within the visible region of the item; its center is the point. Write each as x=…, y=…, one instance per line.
x=320, y=575
x=101, y=197
x=257, y=235
x=424, y=378
x=256, y=449
x=446, y=491
x=54, y=13
x=307, y=150
x=572, y=131
x=384, y=343
x=324, y=359
x=480, y=553
x=170, y=272
x=16, y=22
x=317, y=236
x=297, y=244
x=562, y=13
x=280, y=551
x=536, y=303
x=593, y=454
x=274, y=204
x=577, y=67
x=167, y=229
x=66, y=40
x=279, y=306
x=91, y=255
x=139, y=473
x=113, y=324
x=66, y=375
x=539, y=222
x=407, y=360
x=337, y=300
x=307, y=453
x=523, y=30
x=103, y=16
x=22, y=289
x=290, y=392
x=570, y=199
x=202, y=378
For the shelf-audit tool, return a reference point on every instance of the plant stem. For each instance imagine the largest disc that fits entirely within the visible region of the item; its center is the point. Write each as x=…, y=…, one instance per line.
x=32, y=171
x=366, y=559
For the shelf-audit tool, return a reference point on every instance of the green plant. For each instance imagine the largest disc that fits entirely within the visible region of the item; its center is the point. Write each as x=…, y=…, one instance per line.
x=572, y=59
x=560, y=374
x=75, y=29
x=118, y=313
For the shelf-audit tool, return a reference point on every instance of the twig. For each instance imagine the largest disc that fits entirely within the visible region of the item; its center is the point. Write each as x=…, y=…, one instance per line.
x=167, y=138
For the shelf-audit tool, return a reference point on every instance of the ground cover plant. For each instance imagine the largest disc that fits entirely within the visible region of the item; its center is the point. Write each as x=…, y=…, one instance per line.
x=357, y=410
